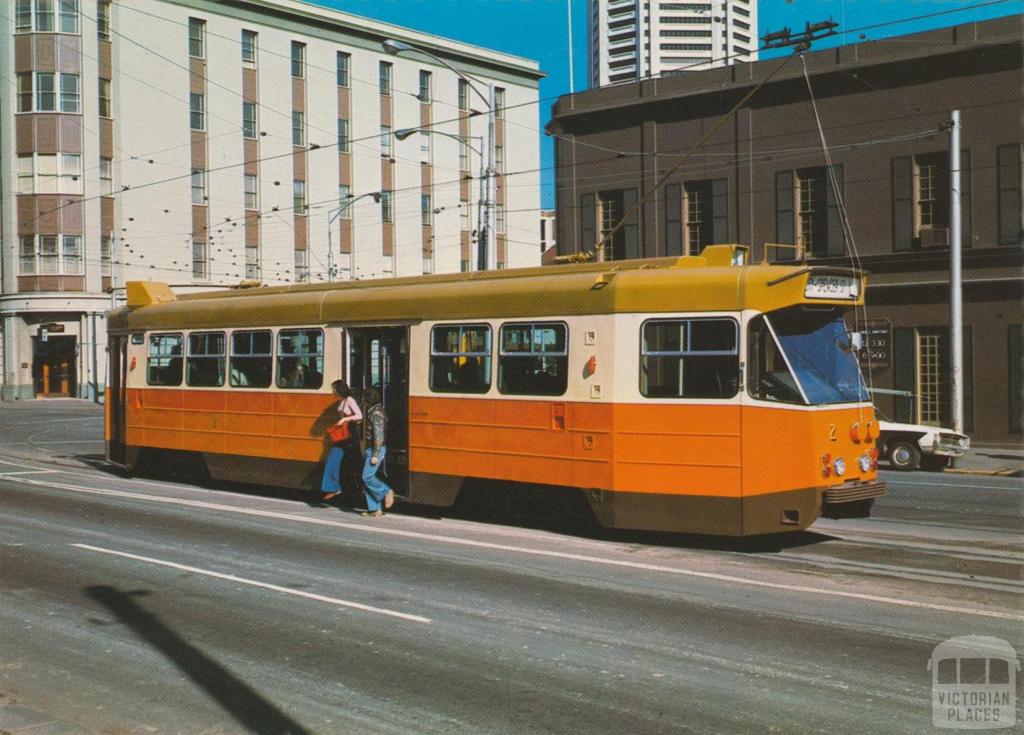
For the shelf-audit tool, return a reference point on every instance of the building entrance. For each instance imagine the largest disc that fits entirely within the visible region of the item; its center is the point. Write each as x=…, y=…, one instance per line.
x=54, y=373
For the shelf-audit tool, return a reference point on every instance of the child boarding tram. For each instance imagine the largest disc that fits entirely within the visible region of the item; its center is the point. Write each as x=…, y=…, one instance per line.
x=697, y=394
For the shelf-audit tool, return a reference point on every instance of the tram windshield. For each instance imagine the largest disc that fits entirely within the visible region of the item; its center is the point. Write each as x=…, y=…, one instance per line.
x=801, y=356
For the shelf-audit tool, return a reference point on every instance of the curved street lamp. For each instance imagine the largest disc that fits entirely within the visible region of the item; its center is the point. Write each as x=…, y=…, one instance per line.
x=487, y=252
x=333, y=215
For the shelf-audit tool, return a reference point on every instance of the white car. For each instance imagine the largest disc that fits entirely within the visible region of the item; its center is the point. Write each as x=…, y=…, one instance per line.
x=909, y=446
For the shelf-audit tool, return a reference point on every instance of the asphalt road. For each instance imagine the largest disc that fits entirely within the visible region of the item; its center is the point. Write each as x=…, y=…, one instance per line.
x=137, y=605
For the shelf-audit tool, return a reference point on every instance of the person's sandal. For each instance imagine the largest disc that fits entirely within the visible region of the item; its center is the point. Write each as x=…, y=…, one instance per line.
x=372, y=513
x=329, y=496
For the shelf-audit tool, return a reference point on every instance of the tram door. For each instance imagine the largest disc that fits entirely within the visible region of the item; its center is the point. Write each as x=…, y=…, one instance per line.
x=114, y=399
x=378, y=357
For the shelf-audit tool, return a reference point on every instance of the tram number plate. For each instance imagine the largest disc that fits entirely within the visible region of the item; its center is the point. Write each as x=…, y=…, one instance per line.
x=831, y=287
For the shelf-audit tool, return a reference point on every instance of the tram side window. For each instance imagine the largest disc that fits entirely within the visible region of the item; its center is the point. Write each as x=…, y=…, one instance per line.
x=300, y=358
x=460, y=358
x=164, y=366
x=205, y=363
x=251, y=359
x=533, y=360
x=768, y=375
x=689, y=358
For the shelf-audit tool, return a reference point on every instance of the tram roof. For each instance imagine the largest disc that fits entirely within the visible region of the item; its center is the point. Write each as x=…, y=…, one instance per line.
x=708, y=282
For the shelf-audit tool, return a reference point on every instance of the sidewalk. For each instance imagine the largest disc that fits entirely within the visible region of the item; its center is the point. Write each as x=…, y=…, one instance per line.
x=991, y=460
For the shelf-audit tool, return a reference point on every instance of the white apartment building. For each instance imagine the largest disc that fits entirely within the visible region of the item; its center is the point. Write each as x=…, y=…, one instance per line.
x=635, y=39
x=205, y=143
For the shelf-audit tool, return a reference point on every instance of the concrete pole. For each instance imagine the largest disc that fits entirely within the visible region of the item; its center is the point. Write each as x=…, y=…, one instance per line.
x=492, y=184
x=956, y=306
x=330, y=250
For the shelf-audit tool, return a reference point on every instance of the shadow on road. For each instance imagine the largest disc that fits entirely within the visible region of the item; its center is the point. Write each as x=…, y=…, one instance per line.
x=239, y=699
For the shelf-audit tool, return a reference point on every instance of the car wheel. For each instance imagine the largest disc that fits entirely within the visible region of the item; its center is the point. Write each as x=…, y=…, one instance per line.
x=904, y=455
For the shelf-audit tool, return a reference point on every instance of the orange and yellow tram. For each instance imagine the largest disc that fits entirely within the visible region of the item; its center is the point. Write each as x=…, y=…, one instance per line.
x=696, y=394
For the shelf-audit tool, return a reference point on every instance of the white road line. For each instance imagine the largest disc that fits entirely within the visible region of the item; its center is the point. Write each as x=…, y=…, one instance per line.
x=29, y=472
x=1014, y=483
x=254, y=583
x=376, y=529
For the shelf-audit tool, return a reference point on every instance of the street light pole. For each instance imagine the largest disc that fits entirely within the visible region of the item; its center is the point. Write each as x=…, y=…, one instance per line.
x=488, y=248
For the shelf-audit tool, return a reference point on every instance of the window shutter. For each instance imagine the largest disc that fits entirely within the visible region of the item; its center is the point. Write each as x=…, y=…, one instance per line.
x=968, y=380
x=588, y=222
x=630, y=230
x=902, y=203
x=674, y=219
x=785, y=228
x=836, y=238
x=1009, y=204
x=965, y=201
x=720, y=211
x=904, y=372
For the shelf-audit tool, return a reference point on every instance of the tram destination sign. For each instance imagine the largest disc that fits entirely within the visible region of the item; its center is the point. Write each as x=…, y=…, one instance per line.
x=877, y=344
x=823, y=286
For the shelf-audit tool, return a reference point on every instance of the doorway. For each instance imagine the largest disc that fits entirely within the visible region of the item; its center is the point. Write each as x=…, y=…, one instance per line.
x=378, y=357
x=54, y=373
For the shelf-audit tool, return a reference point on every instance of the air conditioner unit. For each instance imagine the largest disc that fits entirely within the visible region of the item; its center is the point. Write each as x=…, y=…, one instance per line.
x=935, y=238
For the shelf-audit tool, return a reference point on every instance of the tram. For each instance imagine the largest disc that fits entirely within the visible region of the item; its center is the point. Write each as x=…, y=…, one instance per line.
x=696, y=394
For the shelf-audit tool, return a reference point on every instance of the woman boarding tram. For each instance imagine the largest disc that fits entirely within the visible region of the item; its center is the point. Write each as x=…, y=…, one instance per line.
x=695, y=394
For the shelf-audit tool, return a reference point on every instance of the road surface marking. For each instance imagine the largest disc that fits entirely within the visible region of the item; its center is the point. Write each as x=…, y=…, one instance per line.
x=29, y=472
x=254, y=583
x=455, y=541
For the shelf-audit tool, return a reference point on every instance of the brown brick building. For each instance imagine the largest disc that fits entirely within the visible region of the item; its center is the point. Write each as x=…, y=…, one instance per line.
x=762, y=178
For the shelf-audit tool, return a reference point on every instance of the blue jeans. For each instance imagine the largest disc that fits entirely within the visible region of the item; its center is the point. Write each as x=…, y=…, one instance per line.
x=374, y=487
x=332, y=470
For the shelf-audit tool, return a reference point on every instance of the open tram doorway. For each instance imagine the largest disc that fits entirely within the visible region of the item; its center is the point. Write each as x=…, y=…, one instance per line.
x=378, y=357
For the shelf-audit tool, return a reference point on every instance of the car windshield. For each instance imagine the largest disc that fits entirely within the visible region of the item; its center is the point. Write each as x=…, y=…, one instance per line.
x=818, y=348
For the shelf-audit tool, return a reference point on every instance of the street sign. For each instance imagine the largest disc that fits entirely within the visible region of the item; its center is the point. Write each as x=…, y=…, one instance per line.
x=877, y=344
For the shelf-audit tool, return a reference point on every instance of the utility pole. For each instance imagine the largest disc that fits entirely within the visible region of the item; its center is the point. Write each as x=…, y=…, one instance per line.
x=956, y=306
x=492, y=185
x=568, y=5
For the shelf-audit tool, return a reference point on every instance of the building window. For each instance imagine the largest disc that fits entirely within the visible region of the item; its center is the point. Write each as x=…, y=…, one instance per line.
x=299, y=196
x=385, y=141
x=465, y=214
x=69, y=16
x=689, y=358
x=920, y=200
x=105, y=104
x=105, y=256
x=301, y=266
x=499, y=217
x=249, y=124
x=426, y=210
x=69, y=94
x=499, y=103
x=252, y=197
x=343, y=136
x=249, y=39
x=197, y=38
x=930, y=387
x=71, y=179
x=460, y=358
x=344, y=201
x=298, y=128
x=197, y=111
x=499, y=159
x=205, y=361
x=344, y=62
x=49, y=173
x=252, y=262
x=298, y=60
x=1008, y=174
x=463, y=95
x=25, y=174
x=199, y=187
x=106, y=176
x=463, y=154
x=200, y=271
x=44, y=16
x=387, y=214
x=23, y=16
x=807, y=212
x=25, y=92
x=46, y=92
x=50, y=255
x=811, y=186
x=384, y=79
x=425, y=147
x=425, y=86
x=103, y=20
x=533, y=359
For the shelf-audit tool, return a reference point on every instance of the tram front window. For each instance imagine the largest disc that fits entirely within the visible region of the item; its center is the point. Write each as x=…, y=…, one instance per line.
x=802, y=356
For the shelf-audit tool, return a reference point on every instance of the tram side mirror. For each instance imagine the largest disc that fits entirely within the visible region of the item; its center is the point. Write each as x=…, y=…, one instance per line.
x=851, y=342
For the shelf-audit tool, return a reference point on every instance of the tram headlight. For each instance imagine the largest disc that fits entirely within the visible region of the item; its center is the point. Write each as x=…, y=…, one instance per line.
x=826, y=464
x=865, y=462
x=839, y=466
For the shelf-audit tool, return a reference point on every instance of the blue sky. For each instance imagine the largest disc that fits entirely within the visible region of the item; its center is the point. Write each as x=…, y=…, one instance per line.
x=538, y=29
